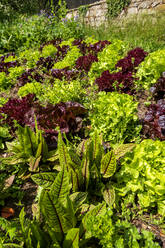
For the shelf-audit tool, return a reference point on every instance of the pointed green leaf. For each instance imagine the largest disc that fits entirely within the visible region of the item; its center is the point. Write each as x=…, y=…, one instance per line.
x=29, y=141
x=72, y=239
x=70, y=212
x=122, y=149
x=75, y=158
x=34, y=163
x=109, y=195
x=85, y=171
x=55, y=214
x=78, y=198
x=75, y=178
x=63, y=152
x=45, y=179
x=39, y=150
x=108, y=164
x=45, y=153
x=97, y=146
x=60, y=187
x=81, y=149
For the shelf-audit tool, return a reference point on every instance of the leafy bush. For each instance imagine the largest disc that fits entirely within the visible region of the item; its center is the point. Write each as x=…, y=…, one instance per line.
x=151, y=69
x=142, y=176
x=114, y=115
x=29, y=57
x=26, y=32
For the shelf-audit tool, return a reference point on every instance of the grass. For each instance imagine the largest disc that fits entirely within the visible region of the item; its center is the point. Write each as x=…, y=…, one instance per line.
x=146, y=31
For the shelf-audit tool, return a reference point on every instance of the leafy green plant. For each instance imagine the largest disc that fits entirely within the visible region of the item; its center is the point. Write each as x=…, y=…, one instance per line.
x=31, y=88
x=142, y=177
x=107, y=59
x=114, y=115
x=7, y=81
x=31, y=56
x=63, y=91
x=3, y=101
x=69, y=61
x=49, y=50
x=151, y=69
x=114, y=233
x=4, y=135
x=28, y=149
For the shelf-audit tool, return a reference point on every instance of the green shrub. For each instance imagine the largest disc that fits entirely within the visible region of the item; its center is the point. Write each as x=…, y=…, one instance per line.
x=26, y=32
x=114, y=115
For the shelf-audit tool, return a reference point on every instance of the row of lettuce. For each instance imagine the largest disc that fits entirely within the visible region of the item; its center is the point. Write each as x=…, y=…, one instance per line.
x=87, y=72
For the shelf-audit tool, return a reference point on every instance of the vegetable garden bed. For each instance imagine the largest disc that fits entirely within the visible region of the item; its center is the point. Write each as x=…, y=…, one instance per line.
x=83, y=127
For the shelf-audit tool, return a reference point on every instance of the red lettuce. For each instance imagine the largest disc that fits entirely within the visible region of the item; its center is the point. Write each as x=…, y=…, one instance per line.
x=132, y=60
x=158, y=89
x=85, y=62
x=67, y=116
x=122, y=82
x=154, y=121
x=65, y=73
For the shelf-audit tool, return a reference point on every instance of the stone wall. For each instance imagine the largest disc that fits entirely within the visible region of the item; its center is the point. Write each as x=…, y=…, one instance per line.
x=97, y=12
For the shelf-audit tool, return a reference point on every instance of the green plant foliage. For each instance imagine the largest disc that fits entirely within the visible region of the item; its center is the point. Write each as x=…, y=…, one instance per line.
x=69, y=61
x=4, y=134
x=31, y=88
x=31, y=56
x=59, y=91
x=3, y=101
x=44, y=179
x=6, y=81
x=49, y=50
x=107, y=59
x=151, y=69
x=120, y=233
x=142, y=176
x=116, y=6
x=29, y=148
x=108, y=164
x=114, y=115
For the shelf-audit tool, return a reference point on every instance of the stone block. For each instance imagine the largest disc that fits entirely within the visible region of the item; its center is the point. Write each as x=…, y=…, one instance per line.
x=145, y=5
x=132, y=11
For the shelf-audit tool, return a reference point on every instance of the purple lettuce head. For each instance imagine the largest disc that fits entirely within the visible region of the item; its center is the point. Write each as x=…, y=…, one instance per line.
x=132, y=60
x=85, y=62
